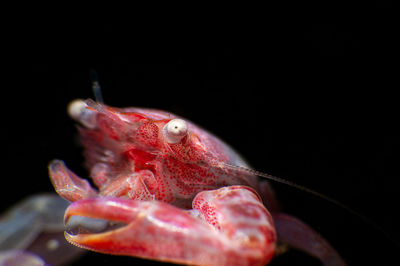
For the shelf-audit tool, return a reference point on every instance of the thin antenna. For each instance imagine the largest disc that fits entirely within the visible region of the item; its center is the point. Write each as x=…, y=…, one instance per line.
x=96, y=86
x=313, y=192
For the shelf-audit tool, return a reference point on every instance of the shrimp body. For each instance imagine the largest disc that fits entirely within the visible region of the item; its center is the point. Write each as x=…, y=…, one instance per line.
x=164, y=193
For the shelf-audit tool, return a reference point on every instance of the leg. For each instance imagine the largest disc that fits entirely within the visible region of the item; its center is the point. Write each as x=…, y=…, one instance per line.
x=300, y=236
x=138, y=186
x=141, y=185
x=228, y=226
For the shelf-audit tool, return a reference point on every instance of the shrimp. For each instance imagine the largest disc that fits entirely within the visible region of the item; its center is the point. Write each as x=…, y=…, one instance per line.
x=169, y=190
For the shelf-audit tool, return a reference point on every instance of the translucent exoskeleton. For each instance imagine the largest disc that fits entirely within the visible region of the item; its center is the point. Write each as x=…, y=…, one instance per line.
x=32, y=233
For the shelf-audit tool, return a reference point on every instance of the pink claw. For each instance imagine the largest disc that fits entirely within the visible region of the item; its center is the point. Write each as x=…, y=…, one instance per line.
x=232, y=228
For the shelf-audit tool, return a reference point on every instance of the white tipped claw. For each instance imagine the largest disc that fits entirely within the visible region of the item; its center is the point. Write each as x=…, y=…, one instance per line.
x=77, y=110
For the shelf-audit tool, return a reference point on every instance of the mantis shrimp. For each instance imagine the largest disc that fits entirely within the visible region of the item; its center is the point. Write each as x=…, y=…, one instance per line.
x=169, y=190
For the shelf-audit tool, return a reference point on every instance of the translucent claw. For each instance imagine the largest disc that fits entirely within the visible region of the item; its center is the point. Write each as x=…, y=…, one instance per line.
x=67, y=184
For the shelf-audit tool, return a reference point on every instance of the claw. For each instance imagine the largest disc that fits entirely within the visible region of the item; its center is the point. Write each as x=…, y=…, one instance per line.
x=152, y=230
x=67, y=184
x=101, y=215
x=156, y=230
x=116, y=209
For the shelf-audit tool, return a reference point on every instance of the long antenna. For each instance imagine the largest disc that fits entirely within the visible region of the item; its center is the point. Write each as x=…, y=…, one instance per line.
x=310, y=191
x=94, y=77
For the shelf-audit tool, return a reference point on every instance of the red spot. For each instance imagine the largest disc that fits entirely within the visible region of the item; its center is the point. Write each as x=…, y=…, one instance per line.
x=147, y=134
x=208, y=212
x=140, y=157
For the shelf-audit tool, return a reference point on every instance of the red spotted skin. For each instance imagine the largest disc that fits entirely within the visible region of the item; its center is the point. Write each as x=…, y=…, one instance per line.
x=181, y=205
x=181, y=170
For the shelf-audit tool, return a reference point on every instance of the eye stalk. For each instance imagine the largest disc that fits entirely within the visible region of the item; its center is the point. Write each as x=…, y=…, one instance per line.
x=175, y=130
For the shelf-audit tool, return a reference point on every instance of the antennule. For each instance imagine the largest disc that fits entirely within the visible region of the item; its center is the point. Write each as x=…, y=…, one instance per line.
x=96, y=86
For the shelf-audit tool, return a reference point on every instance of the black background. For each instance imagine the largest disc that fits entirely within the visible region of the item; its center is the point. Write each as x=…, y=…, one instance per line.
x=309, y=99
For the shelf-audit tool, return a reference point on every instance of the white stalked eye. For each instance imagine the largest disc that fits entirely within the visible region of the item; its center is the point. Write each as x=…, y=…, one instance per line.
x=175, y=130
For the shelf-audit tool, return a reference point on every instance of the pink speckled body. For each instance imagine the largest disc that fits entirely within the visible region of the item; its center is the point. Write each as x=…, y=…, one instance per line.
x=171, y=190
x=130, y=141
x=158, y=182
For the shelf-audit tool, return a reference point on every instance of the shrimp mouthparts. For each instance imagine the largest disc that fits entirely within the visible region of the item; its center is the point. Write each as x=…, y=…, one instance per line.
x=84, y=225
